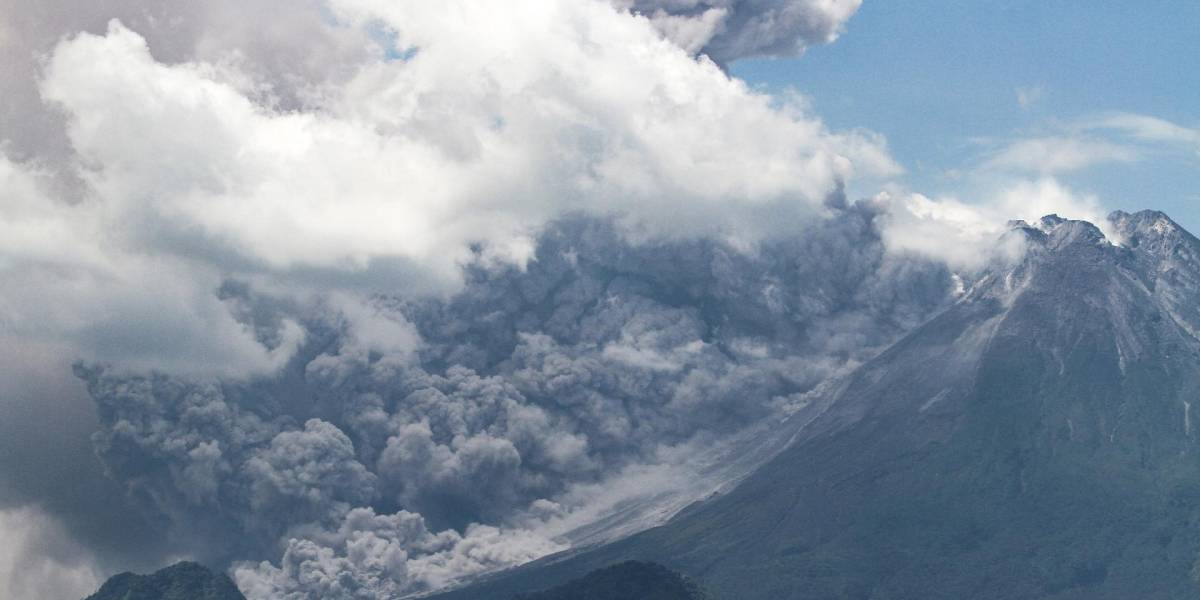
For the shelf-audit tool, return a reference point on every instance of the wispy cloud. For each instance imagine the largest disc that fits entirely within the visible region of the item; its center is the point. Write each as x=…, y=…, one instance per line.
x=1058, y=154
x=1087, y=142
x=1146, y=128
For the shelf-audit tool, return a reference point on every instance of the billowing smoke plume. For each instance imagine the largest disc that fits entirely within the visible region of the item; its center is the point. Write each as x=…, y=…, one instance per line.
x=371, y=296
x=402, y=470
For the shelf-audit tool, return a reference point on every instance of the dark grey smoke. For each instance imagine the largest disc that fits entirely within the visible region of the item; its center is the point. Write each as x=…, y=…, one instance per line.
x=727, y=30
x=595, y=358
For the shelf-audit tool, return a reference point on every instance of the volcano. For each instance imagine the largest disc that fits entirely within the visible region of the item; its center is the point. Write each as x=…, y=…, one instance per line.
x=1036, y=439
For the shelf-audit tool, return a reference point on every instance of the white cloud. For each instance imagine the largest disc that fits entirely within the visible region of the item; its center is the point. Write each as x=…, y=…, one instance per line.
x=1147, y=129
x=968, y=235
x=1058, y=154
x=1088, y=142
x=291, y=49
x=1091, y=141
x=464, y=143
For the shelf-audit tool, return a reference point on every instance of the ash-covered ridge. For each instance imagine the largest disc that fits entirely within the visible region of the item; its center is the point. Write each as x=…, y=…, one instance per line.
x=1036, y=439
x=1171, y=261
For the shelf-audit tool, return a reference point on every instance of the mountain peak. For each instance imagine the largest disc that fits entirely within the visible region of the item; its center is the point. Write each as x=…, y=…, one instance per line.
x=1061, y=233
x=1150, y=230
x=1055, y=232
x=1051, y=221
x=1142, y=219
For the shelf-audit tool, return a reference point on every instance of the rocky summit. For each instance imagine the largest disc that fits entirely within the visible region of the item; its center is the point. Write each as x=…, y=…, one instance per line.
x=1036, y=439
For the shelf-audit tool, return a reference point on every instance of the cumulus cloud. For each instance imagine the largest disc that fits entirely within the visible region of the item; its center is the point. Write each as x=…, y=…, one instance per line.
x=289, y=50
x=190, y=160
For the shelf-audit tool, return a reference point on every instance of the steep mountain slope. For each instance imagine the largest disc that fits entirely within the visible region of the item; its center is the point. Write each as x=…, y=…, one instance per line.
x=1035, y=440
x=181, y=581
x=625, y=581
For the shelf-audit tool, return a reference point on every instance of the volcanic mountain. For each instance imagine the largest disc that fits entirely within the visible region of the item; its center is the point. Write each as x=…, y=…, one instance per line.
x=1036, y=439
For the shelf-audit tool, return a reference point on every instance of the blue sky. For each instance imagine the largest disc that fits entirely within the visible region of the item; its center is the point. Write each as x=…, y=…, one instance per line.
x=951, y=84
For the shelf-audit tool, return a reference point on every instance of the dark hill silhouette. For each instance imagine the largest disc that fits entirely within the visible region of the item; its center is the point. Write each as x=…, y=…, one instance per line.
x=631, y=580
x=181, y=581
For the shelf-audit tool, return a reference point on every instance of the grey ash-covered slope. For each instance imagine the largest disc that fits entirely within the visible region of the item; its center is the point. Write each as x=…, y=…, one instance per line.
x=630, y=580
x=1037, y=439
x=181, y=581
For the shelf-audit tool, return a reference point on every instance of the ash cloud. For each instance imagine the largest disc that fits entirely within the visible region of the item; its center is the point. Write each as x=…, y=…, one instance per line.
x=405, y=471
x=362, y=307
